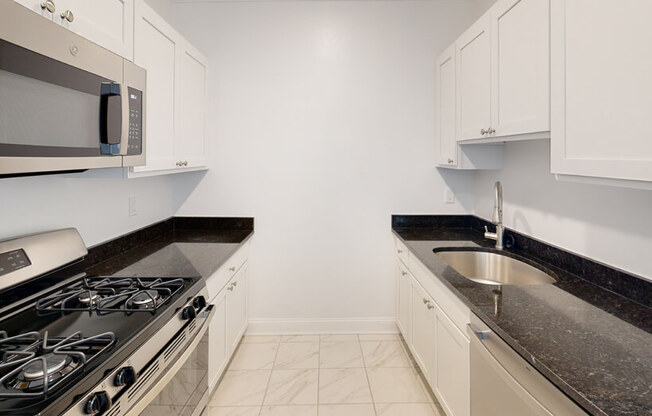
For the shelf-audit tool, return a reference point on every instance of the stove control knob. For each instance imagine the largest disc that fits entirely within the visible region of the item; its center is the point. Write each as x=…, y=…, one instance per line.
x=199, y=302
x=125, y=377
x=98, y=403
x=189, y=313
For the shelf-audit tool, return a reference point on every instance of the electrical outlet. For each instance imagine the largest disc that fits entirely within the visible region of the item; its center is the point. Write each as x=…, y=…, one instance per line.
x=449, y=196
x=132, y=206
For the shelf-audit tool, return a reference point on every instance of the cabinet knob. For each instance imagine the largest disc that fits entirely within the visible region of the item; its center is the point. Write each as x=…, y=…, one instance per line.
x=483, y=132
x=67, y=15
x=403, y=273
x=429, y=305
x=49, y=6
x=230, y=287
x=491, y=130
x=232, y=268
x=425, y=301
x=450, y=161
x=185, y=163
x=399, y=251
x=235, y=284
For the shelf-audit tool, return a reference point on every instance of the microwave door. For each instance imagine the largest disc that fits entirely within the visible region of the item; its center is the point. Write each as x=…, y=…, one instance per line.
x=51, y=101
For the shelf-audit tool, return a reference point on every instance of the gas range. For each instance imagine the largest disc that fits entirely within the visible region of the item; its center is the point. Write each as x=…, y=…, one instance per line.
x=72, y=344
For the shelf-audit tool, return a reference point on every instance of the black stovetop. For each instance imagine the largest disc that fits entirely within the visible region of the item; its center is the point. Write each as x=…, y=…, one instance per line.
x=56, y=318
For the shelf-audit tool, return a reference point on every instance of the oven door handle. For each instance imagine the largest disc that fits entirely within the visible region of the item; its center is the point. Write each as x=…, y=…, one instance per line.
x=206, y=315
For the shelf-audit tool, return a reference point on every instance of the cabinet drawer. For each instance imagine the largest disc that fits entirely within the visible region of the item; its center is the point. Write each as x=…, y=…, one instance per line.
x=221, y=277
x=402, y=251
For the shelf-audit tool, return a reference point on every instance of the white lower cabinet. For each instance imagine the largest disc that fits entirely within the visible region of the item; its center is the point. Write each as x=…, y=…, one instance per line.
x=236, y=308
x=217, y=356
x=423, y=331
x=451, y=379
x=433, y=322
x=230, y=320
x=404, y=286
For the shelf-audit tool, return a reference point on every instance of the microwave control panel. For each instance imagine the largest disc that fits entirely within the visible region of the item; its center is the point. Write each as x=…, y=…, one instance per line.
x=135, y=146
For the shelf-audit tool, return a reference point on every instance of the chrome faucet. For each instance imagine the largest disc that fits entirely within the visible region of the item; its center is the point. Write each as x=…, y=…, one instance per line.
x=497, y=217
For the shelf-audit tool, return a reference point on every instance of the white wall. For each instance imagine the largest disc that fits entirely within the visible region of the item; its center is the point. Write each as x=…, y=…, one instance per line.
x=608, y=224
x=322, y=126
x=95, y=202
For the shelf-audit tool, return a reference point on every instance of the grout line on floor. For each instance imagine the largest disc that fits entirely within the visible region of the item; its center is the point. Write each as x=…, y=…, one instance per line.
x=278, y=347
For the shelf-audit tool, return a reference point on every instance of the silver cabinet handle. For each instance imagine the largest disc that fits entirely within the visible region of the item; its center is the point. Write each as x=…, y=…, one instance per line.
x=232, y=268
x=425, y=301
x=429, y=305
x=483, y=132
x=235, y=284
x=231, y=286
x=49, y=6
x=67, y=15
x=450, y=161
x=491, y=130
x=185, y=163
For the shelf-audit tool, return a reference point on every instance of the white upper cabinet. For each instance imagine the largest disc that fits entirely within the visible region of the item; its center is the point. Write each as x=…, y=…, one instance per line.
x=451, y=154
x=520, y=60
x=191, y=145
x=473, y=53
x=601, y=88
x=156, y=48
x=503, y=74
x=445, y=108
x=176, y=96
x=109, y=23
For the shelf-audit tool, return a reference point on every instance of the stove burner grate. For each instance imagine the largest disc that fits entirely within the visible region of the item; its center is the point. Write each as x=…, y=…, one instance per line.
x=34, y=365
x=113, y=294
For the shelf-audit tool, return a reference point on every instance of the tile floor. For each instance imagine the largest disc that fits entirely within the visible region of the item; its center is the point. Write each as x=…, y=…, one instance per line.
x=322, y=375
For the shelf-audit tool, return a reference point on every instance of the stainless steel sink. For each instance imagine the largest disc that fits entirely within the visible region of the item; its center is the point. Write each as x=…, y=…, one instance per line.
x=490, y=267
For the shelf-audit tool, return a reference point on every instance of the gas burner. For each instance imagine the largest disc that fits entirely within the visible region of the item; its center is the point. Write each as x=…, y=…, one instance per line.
x=112, y=294
x=89, y=297
x=144, y=299
x=33, y=366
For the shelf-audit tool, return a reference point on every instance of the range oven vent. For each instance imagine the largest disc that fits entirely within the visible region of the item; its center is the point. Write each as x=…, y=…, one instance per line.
x=115, y=411
x=192, y=327
x=148, y=374
x=169, y=352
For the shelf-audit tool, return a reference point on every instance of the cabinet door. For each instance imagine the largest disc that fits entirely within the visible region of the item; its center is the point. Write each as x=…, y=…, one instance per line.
x=473, y=55
x=156, y=48
x=521, y=67
x=423, y=330
x=191, y=147
x=601, y=63
x=236, y=308
x=445, y=108
x=109, y=23
x=403, y=297
x=452, y=379
x=217, y=357
x=35, y=6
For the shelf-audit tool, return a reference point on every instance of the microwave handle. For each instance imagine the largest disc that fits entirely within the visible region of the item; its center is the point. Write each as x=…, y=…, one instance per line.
x=114, y=118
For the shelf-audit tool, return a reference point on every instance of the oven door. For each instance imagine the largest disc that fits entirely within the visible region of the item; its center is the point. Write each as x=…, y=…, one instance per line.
x=183, y=389
x=64, y=104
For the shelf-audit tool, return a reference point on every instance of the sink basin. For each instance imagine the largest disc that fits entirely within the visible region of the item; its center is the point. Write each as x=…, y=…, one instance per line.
x=493, y=268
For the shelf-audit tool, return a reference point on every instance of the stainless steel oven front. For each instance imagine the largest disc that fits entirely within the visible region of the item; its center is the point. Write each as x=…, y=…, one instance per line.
x=65, y=103
x=167, y=375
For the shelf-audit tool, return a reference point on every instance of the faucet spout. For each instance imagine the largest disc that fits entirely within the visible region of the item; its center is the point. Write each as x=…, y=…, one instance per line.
x=497, y=217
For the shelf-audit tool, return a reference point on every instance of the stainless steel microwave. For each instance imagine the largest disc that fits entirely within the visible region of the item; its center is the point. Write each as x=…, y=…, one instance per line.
x=66, y=104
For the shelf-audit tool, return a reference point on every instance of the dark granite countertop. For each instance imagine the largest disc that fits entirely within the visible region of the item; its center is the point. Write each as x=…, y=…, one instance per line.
x=592, y=343
x=178, y=247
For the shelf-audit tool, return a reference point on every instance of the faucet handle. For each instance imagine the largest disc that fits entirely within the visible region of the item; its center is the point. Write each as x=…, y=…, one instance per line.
x=486, y=230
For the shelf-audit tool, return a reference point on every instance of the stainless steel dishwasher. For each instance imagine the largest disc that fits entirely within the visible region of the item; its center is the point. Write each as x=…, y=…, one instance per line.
x=503, y=383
